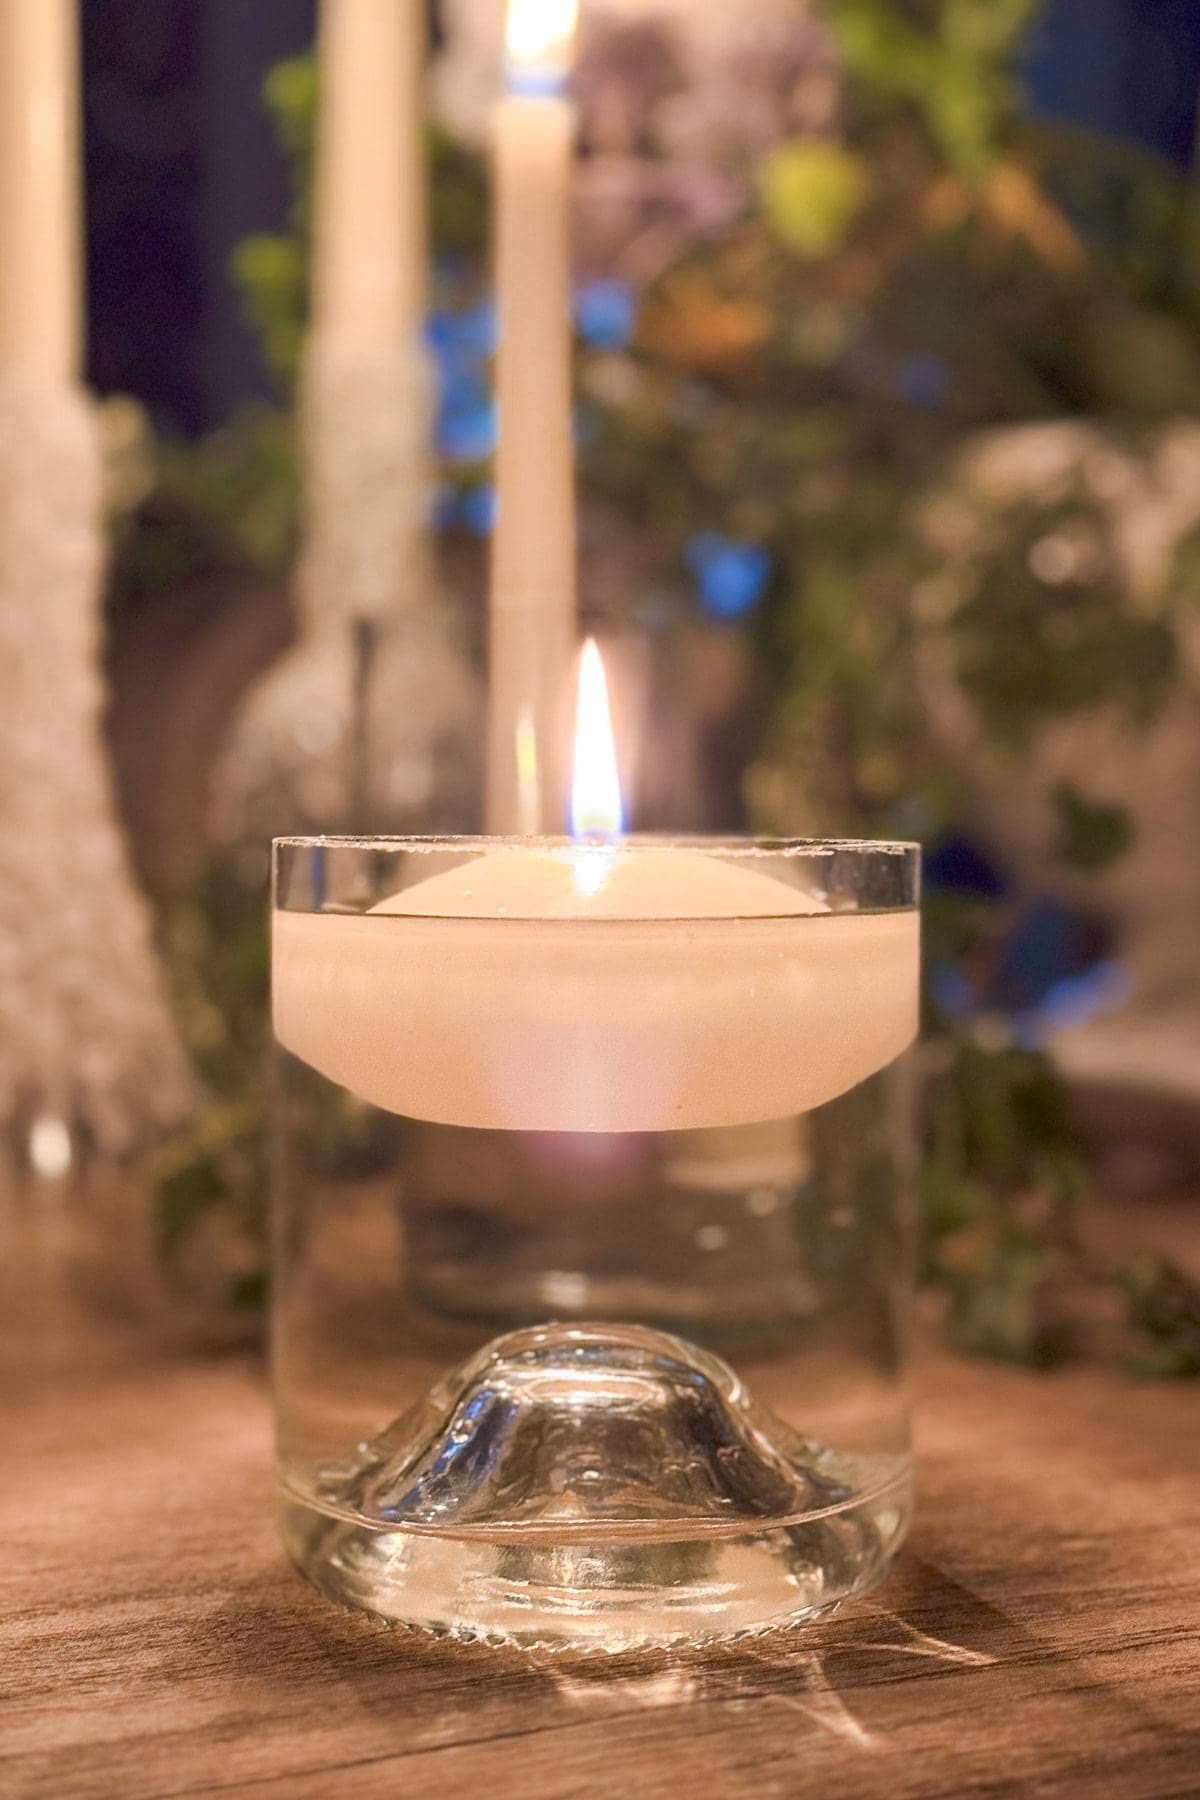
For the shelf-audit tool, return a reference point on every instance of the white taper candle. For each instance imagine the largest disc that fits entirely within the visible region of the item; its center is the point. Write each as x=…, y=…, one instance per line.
x=370, y=267
x=40, y=284
x=533, y=601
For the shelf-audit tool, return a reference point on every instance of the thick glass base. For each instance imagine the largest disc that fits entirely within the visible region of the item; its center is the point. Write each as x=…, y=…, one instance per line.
x=594, y=1487
x=606, y=1597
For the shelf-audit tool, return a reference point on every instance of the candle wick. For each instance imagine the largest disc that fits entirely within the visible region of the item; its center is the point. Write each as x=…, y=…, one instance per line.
x=594, y=863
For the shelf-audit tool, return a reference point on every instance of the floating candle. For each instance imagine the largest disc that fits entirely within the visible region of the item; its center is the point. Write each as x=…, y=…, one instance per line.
x=597, y=986
x=685, y=991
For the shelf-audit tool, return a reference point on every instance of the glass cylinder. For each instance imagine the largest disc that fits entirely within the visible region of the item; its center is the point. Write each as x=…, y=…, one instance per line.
x=593, y=1229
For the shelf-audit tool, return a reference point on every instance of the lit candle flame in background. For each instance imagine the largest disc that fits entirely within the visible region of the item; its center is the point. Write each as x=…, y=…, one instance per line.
x=597, y=815
x=541, y=34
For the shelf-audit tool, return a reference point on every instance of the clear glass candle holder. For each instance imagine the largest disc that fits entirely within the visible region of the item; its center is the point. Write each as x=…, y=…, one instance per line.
x=593, y=1229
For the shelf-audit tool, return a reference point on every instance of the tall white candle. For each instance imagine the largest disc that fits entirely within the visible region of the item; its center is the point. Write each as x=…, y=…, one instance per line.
x=39, y=189
x=369, y=274
x=533, y=553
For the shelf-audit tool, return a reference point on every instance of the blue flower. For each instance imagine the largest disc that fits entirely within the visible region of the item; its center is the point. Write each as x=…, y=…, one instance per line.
x=730, y=576
x=605, y=312
x=923, y=379
x=479, y=508
x=463, y=335
x=960, y=865
x=467, y=429
x=1072, y=1000
x=473, y=509
x=461, y=344
x=952, y=991
x=1051, y=969
x=1050, y=942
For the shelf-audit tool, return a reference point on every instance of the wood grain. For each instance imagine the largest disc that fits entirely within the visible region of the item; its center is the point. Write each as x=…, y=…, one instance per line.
x=1039, y=1637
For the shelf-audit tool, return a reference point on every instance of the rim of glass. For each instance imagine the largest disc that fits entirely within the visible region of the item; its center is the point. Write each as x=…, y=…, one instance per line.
x=727, y=844
x=835, y=862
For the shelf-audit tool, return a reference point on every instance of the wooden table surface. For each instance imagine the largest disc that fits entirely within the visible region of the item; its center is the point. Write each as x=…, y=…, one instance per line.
x=1039, y=1635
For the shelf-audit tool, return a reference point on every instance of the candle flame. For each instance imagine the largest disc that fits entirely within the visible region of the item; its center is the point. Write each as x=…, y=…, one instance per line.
x=596, y=810
x=541, y=32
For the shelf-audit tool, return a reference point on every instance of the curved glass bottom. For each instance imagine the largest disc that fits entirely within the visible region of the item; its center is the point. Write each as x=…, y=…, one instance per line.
x=595, y=1487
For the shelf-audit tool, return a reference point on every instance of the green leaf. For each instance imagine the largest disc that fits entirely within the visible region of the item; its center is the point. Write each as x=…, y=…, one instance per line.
x=184, y=1197
x=290, y=94
x=811, y=194
x=881, y=45
x=1164, y=1304
x=950, y=1199
x=956, y=75
x=1032, y=649
x=1001, y=1310
x=1091, y=834
x=270, y=270
x=249, y=1291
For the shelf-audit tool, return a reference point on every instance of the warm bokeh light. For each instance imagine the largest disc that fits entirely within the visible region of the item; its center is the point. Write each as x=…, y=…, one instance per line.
x=529, y=787
x=49, y=1147
x=596, y=810
x=541, y=32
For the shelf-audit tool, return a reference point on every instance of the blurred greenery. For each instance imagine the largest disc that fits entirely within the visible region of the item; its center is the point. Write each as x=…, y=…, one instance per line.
x=950, y=63
x=810, y=381
x=228, y=506
x=272, y=268
x=1000, y=1181
x=1090, y=836
x=215, y=1174
x=1165, y=1307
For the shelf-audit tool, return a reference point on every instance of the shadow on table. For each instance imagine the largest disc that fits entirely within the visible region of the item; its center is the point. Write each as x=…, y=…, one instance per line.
x=928, y=1691
x=440, y=1693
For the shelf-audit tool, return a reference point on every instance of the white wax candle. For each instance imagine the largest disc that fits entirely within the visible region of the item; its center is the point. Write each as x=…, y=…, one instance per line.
x=369, y=272
x=582, y=989
x=39, y=189
x=532, y=611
